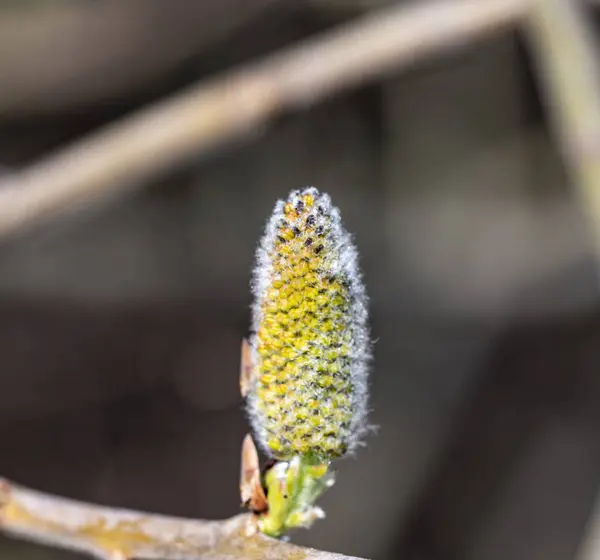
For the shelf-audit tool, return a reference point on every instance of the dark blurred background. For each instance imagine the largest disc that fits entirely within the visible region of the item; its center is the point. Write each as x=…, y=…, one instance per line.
x=120, y=327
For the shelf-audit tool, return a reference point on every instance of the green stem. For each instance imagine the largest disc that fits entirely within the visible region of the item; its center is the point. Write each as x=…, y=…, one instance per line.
x=292, y=490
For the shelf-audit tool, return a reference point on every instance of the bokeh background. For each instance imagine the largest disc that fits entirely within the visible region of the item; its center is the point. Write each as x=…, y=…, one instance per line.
x=120, y=326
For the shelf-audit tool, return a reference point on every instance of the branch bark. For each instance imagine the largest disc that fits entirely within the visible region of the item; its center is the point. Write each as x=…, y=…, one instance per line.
x=145, y=144
x=117, y=534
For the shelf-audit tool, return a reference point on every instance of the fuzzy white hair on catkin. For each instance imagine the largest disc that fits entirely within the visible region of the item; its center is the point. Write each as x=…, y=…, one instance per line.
x=342, y=259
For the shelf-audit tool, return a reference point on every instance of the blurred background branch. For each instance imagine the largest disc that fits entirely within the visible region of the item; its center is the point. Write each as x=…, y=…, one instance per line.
x=151, y=141
x=590, y=544
x=566, y=52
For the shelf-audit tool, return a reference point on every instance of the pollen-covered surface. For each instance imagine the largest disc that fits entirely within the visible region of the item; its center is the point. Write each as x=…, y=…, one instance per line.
x=310, y=342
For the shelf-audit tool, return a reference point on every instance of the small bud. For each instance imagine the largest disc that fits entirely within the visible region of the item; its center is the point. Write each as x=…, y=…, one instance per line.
x=310, y=342
x=251, y=490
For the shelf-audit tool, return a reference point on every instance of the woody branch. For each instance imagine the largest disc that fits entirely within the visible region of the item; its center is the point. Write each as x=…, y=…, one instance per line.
x=117, y=534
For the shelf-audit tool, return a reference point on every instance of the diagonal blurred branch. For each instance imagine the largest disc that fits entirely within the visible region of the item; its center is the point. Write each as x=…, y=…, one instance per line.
x=566, y=53
x=111, y=534
x=147, y=143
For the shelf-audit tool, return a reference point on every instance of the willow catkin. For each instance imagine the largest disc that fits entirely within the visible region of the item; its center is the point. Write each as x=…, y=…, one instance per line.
x=310, y=341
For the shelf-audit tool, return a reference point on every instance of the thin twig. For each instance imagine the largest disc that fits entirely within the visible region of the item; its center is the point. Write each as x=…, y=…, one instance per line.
x=147, y=143
x=566, y=54
x=116, y=534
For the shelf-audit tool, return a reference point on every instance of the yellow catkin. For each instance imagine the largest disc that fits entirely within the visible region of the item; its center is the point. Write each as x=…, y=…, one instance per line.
x=310, y=342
